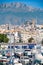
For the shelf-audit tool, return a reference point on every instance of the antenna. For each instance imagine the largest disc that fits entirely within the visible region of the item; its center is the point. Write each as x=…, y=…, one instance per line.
x=9, y=24
x=36, y=19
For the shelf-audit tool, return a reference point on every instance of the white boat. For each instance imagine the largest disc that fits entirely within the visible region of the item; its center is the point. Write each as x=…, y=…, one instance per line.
x=19, y=52
x=0, y=56
x=39, y=56
x=18, y=64
x=27, y=52
x=15, y=60
x=24, y=59
x=38, y=52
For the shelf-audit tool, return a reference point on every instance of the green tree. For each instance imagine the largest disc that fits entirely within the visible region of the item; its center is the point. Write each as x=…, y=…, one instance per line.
x=20, y=40
x=30, y=40
x=3, y=38
x=42, y=42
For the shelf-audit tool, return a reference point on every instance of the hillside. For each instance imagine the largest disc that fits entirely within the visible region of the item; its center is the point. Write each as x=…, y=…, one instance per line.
x=18, y=13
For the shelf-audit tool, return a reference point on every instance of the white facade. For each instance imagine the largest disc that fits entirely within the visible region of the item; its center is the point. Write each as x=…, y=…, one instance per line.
x=11, y=38
x=16, y=37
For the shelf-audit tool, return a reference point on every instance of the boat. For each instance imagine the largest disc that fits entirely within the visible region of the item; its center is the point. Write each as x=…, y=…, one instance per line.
x=18, y=64
x=15, y=60
x=24, y=59
x=27, y=52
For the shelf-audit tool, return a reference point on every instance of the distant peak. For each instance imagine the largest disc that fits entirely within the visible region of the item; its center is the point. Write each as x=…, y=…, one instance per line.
x=17, y=5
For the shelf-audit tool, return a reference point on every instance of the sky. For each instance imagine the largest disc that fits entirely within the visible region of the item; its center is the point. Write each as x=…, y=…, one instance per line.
x=33, y=3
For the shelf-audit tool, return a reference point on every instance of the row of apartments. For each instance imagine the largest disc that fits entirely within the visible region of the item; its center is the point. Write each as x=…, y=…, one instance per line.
x=22, y=33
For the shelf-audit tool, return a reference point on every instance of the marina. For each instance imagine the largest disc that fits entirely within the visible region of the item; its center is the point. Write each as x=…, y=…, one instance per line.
x=29, y=54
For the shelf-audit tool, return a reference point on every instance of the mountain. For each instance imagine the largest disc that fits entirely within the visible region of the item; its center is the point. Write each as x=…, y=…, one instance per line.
x=18, y=13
